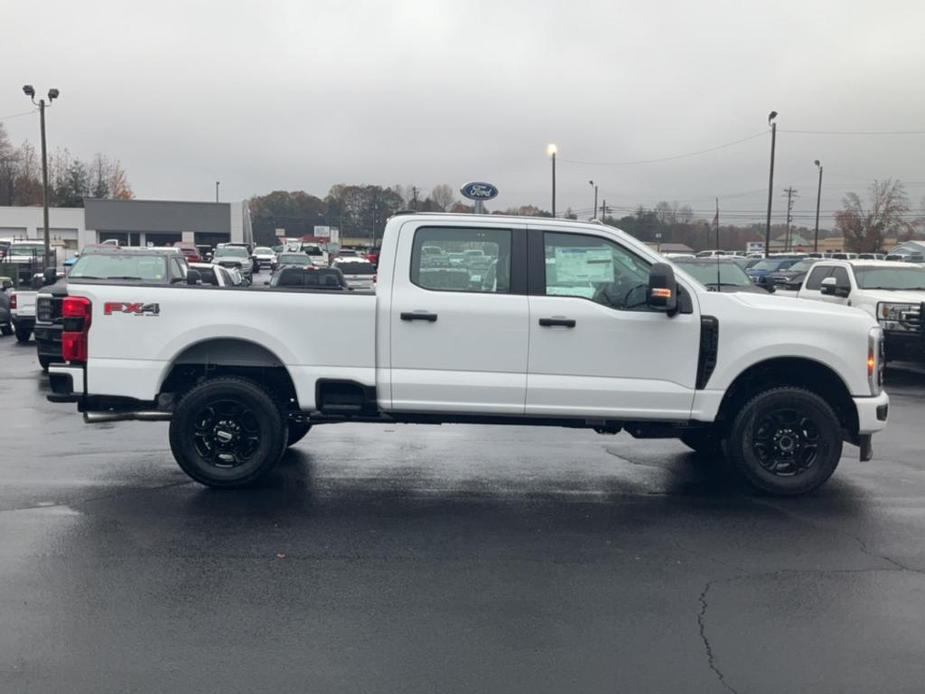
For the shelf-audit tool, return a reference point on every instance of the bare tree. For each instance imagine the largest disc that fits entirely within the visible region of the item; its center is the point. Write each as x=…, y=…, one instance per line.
x=443, y=197
x=865, y=229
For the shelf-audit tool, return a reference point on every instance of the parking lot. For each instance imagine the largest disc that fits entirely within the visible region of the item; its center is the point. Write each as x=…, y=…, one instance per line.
x=449, y=558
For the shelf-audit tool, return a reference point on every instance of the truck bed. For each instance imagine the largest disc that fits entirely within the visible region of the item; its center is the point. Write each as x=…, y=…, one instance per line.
x=314, y=333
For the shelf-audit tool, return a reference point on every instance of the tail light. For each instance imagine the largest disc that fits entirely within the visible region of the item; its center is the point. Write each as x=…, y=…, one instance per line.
x=77, y=314
x=13, y=302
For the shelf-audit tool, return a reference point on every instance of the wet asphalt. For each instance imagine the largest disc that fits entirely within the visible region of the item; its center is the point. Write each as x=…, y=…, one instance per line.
x=449, y=559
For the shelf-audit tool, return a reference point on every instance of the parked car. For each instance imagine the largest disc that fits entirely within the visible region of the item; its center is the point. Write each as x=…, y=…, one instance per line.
x=264, y=256
x=719, y=274
x=189, y=250
x=759, y=271
x=891, y=293
x=296, y=258
x=236, y=256
x=205, y=252
x=216, y=275
x=309, y=276
x=318, y=255
x=791, y=278
x=776, y=387
x=6, y=318
x=359, y=273
x=109, y=263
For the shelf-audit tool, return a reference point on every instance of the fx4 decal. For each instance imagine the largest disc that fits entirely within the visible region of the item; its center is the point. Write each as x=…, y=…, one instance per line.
x=111, y=307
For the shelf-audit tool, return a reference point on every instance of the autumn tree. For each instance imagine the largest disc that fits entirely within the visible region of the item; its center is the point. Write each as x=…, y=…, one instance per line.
x=865, y=229
x=443, y=197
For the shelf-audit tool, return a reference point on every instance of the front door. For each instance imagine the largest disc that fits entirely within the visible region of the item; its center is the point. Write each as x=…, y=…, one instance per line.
x=458, y=320
x=596, y=350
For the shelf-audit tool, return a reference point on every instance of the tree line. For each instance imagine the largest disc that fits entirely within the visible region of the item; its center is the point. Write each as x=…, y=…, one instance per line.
x=70, y=179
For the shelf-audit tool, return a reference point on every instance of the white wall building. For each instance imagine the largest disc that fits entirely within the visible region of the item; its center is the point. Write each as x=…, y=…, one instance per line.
x=65, y=225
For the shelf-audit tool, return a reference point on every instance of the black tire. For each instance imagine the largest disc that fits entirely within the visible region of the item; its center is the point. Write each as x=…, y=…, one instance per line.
x=785, y=441
x=23, y=333
x=6, y=330
x=45, y=362
x=228, y=432
x=297, y=432
x=706, y=443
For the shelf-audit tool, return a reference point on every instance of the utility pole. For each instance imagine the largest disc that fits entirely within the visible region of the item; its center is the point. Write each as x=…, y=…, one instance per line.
x=767, y=230
x=594, y=209
x=818, y=200
x=552, y=150
x=716, y=222
x=791, y=193
x=216, y=190
x=603, y=210
x=29, y=91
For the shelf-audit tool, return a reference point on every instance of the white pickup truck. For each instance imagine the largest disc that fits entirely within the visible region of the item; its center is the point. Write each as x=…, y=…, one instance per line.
x=893, y=293
x=559, y=323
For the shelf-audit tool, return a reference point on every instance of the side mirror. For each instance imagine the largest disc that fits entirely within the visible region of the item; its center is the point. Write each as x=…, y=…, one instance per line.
x=663, y=289
x=193, y=277
x=831, y=287
x=50, y=276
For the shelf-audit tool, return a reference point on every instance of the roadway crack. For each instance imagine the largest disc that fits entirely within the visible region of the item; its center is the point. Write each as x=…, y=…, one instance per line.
x=701, y=623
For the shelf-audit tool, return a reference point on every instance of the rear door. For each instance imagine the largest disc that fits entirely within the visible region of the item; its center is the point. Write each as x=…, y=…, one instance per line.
x=596, y=350
x=458, y=334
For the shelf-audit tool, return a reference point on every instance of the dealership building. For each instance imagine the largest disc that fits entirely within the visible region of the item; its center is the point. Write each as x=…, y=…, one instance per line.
x=131, y=222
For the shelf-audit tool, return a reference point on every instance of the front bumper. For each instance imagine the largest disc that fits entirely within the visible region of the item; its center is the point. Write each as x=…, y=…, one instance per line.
x=872, y=413
x=904, y=344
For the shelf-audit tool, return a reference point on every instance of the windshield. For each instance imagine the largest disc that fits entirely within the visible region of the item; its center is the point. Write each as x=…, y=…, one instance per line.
x=104, y=266
x=313, y=250
x=293, y=259
x=705, y=273
x=231, y=252
x=890, y=277
x=27, y=251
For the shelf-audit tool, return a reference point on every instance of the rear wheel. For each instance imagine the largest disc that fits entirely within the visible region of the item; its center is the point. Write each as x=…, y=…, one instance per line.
x=297, y=432
x=45, y=362
x=785, y=441
x=6, y=329
x=23, y=333
x=228, y=432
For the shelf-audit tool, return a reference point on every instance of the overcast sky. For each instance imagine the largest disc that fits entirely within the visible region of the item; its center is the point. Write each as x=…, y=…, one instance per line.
x=301, y=95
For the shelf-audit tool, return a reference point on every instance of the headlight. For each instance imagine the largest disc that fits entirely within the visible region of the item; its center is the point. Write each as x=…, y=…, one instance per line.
x=875, y=360
x=888, y=311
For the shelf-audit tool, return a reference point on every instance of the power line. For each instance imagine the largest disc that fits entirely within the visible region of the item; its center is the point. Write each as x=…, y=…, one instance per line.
x=660, y=159
x=855, y=132
x=17, y=115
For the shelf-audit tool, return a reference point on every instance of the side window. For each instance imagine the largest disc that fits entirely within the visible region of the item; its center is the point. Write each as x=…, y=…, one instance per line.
x=452, y=259
x=178, y=268
x=816, y=276
x=208, y=276
x=841, y=277
x=594, y=268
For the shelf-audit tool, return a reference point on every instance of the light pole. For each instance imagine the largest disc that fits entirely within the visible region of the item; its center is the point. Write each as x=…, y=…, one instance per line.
x=594, y=209
x=216, y=190
x=551, y=151
x=818, y=200
x=767, y=231
x=29, y=91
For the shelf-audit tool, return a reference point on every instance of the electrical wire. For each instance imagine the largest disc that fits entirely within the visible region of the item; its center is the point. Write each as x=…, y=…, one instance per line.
x=661, y=159
x=854, y=132
x=17, y=115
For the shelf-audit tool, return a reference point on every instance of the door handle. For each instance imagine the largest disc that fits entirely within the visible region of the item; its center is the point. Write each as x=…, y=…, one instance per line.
x=552, y=322
x=419, y=315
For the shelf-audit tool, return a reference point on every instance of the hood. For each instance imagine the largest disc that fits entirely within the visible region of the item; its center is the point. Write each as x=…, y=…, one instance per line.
x=805, y=308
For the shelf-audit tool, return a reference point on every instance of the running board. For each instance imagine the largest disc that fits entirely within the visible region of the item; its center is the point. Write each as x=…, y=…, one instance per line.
x=144, y=416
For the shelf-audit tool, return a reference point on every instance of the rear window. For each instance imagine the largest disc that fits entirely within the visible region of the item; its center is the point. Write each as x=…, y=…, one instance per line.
x=294, y=259
x=27, y=251
x=106, y=266
x=357, y=268
x=231, y=251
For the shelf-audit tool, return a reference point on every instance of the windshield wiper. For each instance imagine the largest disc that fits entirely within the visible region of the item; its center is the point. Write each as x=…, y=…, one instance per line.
x=121, y=277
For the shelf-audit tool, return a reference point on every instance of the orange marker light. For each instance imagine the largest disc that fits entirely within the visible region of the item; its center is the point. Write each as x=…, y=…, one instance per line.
x=661, y=293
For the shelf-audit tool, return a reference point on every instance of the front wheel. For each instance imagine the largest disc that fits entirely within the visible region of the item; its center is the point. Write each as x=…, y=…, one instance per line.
x=785, y=441
x=228, y=432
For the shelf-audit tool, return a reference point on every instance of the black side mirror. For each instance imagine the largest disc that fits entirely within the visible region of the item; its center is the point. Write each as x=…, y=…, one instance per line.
x=49, y=276
x=193, y=277
x=663, y=289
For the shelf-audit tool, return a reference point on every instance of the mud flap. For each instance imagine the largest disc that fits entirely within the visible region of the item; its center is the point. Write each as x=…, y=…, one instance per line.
x=865, y=443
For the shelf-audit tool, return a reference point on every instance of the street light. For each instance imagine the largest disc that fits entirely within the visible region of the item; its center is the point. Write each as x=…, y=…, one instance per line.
x=767, y=231
x=29, y=91
x=818, y=200
x=551, y=151
x=594, y=209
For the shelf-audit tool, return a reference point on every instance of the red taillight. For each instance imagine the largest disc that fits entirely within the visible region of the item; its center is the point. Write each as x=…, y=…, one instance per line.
x=76, y=314
x=13, y=302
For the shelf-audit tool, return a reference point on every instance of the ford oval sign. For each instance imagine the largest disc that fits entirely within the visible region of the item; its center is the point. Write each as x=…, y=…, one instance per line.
x=479, y=191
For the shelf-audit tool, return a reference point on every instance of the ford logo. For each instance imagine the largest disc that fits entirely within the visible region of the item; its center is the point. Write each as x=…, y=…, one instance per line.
x=479, y=191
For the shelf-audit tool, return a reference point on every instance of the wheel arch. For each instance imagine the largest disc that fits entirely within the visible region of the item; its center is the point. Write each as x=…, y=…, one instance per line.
x=801, y=372
x=228, y=356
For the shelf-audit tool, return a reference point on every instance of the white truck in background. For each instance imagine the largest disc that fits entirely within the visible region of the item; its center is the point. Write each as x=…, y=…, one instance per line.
x=557, y=323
